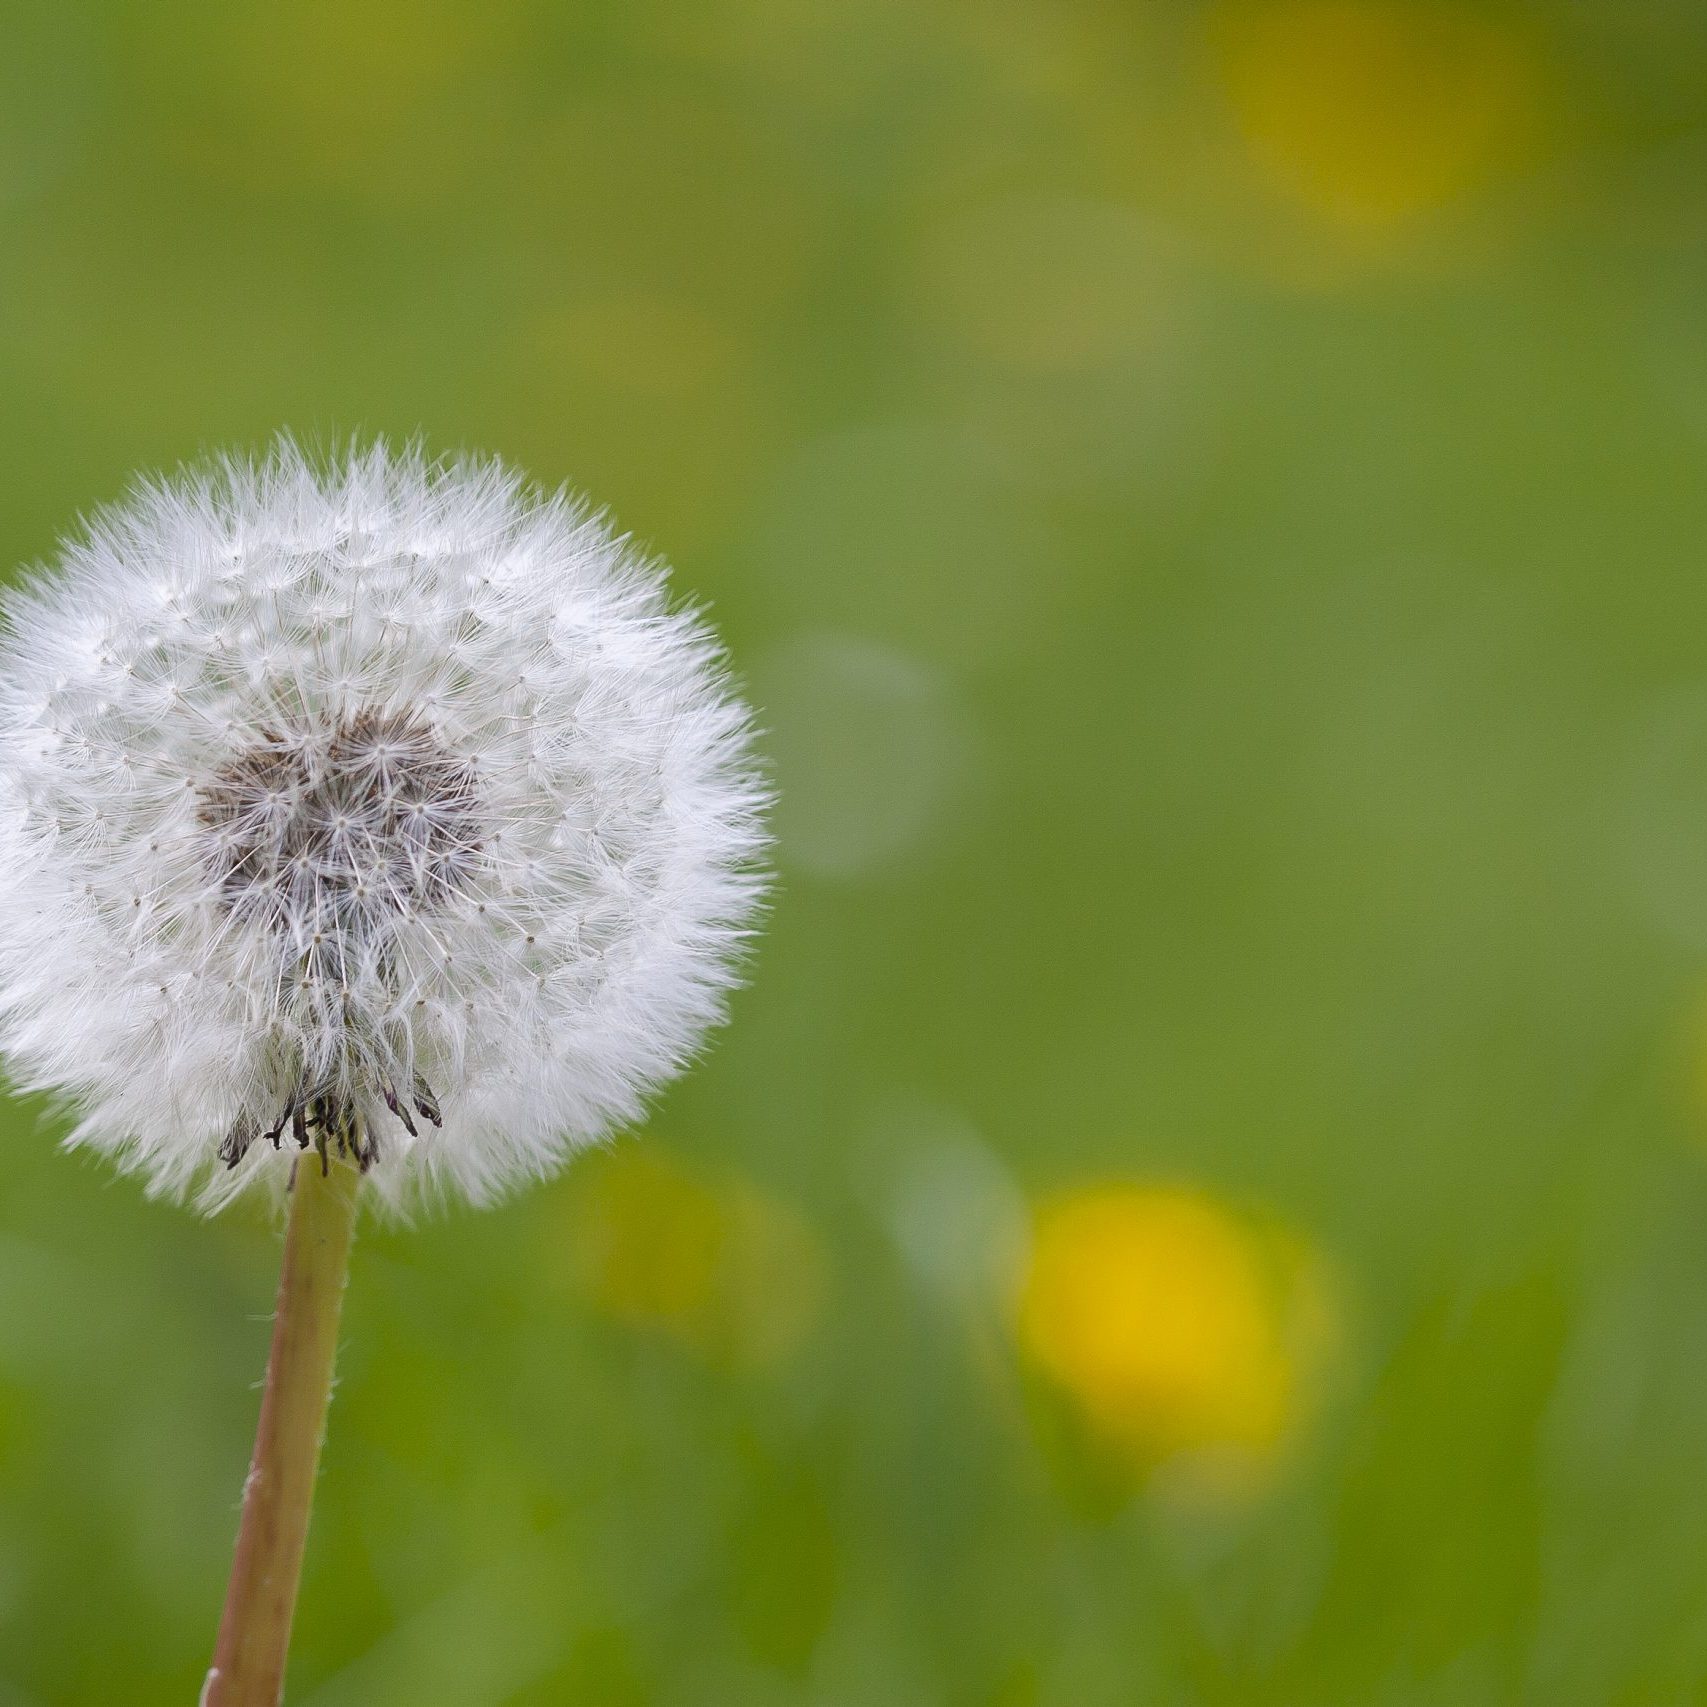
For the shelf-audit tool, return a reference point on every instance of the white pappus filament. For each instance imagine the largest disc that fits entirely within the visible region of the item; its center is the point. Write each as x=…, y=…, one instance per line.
x=376, y=802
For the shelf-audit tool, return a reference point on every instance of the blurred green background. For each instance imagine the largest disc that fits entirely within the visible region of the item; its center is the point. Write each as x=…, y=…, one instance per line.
x=1205, y=1197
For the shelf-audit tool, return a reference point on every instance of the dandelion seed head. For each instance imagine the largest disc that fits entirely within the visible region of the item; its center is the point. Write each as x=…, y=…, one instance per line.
x=375, y=799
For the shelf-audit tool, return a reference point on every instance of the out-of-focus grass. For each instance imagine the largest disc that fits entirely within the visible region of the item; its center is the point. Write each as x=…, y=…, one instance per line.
x=1204, y=1198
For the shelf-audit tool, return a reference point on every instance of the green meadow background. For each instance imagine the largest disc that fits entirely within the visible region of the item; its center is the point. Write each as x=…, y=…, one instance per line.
x=1204, y=1198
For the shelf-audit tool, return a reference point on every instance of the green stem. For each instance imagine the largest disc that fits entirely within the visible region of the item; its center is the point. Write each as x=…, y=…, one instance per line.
x=254, y=1633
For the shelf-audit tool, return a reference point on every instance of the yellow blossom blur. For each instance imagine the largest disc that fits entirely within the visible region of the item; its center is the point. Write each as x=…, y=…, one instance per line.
x=1052, y=287
x=381, y=100
x=658, y=347
x=1690, y=1070
x=1175, y=1326
x=1374, y=115
x=721, y=1267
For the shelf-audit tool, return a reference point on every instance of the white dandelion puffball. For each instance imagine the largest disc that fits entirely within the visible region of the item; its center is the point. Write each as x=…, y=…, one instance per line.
x=382, y=804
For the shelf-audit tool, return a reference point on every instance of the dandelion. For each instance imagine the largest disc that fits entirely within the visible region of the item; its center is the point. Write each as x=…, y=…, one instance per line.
x=1374, y=116
x=718, y=1265
x=1180, y=1332
x=373, y=820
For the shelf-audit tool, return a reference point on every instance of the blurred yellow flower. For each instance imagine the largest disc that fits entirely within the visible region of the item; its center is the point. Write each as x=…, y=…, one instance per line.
x=656, y=346
x=1691, y=1072
x=1050, y=286
x=1375, y=114
x=387, y=100
x=1175, y=1326
x=721, y=1267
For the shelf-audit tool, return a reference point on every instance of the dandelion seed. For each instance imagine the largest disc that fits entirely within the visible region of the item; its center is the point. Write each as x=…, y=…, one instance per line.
x=425, y=829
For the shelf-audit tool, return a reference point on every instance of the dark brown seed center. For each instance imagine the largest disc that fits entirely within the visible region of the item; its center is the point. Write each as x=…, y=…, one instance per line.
x=342, y=831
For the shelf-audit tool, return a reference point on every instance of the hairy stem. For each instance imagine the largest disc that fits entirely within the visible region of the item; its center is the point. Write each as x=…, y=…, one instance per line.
x=254, y=1632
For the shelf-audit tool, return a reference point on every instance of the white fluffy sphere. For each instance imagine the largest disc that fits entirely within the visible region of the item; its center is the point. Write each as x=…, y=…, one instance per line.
x=383, y=805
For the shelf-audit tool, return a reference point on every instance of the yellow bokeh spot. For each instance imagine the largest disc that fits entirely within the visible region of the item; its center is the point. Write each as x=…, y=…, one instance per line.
x=654, y=346
x=384, y=99
x=1374, y=114
x=1693, y=1045
x=1052, y=286
x=1173, y=1324
x=719, y=1266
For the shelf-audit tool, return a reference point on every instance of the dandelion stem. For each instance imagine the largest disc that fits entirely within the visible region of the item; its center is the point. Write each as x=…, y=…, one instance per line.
x=254, y=1632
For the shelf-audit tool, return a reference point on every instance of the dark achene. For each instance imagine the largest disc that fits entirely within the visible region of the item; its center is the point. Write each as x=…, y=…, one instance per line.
x=333, y=1124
